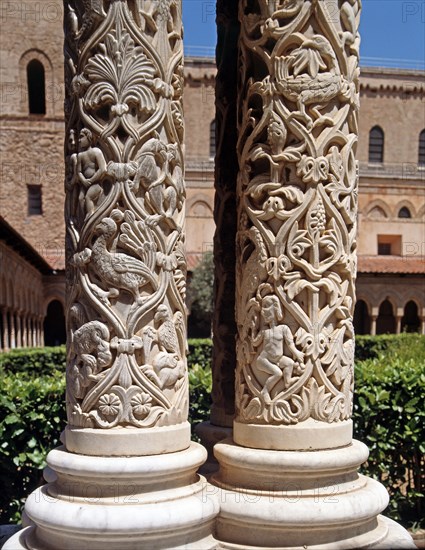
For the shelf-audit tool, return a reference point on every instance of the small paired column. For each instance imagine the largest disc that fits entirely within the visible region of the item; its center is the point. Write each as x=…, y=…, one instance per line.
x=12, y=329
x=373, y=320
x=6, y=333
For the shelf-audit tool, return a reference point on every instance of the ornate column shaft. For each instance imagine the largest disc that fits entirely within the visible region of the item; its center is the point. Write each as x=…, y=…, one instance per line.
x=127, y=454
x=295, y=273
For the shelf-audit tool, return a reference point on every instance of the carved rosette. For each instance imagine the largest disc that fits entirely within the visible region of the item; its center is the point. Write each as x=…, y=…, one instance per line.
x=297, y=192
x=126, y=358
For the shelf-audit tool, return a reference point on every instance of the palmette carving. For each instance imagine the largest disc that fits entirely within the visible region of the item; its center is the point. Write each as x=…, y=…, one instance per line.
x=297, y=191
x=125, y=211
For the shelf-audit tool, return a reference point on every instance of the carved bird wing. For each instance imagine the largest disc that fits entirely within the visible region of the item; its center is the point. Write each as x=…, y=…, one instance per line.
x=122, y=264
x=180, y=327
x=168, y=337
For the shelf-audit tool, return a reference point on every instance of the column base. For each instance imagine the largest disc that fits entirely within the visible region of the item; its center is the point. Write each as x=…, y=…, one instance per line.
x=296, y=499
x=127, y=441
x=312, y=434
x=104, y=503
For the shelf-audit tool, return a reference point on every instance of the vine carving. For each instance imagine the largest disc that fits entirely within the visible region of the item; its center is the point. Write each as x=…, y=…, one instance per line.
x=297, y=192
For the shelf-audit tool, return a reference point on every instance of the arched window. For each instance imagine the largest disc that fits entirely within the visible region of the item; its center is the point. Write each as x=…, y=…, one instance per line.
x=376, y=145
x=421, y=156
x=36, y=88
x=212, y=139
x=404, y=212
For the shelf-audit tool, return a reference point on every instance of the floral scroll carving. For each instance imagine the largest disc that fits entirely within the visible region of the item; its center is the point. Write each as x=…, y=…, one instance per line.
x=125, y=212
x=297, y=192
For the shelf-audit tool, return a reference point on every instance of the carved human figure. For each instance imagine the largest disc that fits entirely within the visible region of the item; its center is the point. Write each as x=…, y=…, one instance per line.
x=164, y=190
x=274, y=341
x=90, y=168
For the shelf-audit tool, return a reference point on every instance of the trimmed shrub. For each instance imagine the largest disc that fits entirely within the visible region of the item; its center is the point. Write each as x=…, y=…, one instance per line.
x=389, y=417
x=35, y=360
x=32, y=416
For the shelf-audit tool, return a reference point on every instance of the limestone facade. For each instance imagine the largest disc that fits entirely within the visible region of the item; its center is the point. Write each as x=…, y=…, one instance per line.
x=392, y=99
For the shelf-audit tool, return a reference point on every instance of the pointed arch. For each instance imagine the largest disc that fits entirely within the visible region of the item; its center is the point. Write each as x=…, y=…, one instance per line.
x=379, y=208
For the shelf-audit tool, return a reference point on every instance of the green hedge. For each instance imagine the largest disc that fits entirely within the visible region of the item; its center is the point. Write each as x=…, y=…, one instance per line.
x=388, y=416
x=35, y=360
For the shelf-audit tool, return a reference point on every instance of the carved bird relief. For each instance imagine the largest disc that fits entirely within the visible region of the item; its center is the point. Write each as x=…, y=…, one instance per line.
x=299, y=79
x=117, y=269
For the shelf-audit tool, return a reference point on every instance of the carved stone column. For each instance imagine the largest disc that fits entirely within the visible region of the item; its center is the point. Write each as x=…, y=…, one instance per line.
x=226, y=173
x=126, y=477
x=289, y=476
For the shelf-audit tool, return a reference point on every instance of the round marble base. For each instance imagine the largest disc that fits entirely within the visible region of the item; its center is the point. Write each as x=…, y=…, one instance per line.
x=100, y=503
x=127, y=441
x=310, y=435
x=295, y=499
x=394, y=536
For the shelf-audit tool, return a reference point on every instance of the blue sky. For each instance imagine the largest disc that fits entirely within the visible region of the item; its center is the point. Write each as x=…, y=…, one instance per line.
x=392, y=31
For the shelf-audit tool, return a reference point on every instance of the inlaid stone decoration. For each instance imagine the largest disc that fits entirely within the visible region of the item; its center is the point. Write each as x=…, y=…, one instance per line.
x=125, y=205
x=297, y=192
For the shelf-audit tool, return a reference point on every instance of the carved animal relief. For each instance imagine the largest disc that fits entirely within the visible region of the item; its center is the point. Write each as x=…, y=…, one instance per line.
x=297, y=194
x=125, y=203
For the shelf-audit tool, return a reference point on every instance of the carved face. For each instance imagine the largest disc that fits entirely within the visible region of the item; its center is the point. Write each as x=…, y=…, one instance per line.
x=276, y=136
x=271, y=309
x=84, y=140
